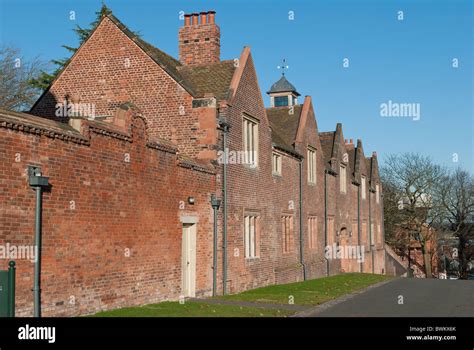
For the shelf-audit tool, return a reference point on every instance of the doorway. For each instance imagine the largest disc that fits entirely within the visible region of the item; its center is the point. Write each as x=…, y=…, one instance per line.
x=188, y=276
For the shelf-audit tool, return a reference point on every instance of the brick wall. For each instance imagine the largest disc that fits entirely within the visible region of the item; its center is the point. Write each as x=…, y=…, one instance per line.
x=110, y=69
x=111, y=221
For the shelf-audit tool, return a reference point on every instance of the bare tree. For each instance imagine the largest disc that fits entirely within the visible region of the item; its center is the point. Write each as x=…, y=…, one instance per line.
x=456, y=194
x=16, y=92
x=413, y=179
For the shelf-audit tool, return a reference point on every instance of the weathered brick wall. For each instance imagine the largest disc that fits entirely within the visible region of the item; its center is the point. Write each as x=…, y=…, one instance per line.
x=111, y=227
x=248, y=190
x=110, y=69
x=313, y=198
x=285, y=189
x=379, y=254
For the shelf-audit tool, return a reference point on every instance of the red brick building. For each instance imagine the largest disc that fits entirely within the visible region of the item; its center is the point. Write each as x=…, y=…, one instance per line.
x=162, y=137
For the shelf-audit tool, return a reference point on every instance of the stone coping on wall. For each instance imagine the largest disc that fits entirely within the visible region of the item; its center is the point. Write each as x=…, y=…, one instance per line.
x=27, y=123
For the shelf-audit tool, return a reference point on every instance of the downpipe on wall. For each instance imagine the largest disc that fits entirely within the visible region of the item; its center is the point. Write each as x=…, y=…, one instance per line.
x=370, y=229
x=301, y=222
x=326, y=218
x=215, y=203
x=224, y=125
x=358, y=224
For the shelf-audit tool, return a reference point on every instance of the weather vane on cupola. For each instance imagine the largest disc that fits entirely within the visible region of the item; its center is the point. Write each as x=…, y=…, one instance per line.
x=283, y=93
x=283, y=67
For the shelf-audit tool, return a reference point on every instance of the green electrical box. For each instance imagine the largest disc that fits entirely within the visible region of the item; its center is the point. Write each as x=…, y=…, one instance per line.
x=4, y=291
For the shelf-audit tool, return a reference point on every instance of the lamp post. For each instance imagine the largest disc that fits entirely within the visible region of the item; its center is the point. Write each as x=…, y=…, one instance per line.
x=38, y=182
x=215, y=203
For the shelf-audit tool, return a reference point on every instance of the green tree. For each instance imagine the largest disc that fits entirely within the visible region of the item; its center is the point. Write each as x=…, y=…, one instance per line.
x=45, y=79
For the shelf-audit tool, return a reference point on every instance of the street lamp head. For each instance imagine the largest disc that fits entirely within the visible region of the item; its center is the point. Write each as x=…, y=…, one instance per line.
x=35, y=178
x=215, y=203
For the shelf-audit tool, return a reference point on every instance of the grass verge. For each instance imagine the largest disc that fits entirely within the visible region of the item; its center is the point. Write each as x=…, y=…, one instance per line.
x=192, y=309
x=308, y=293
x=312, y=292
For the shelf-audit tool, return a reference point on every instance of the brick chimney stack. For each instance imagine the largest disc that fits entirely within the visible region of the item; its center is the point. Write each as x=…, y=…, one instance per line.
x=199, y=39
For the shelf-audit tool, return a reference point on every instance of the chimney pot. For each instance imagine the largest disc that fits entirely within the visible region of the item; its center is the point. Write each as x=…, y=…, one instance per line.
x=195, y=18
x=345, y=141
x=351, y=141
x=187, y=20
x=203, y=17
x=199, y=45
x=212, y=17
x=374, y=154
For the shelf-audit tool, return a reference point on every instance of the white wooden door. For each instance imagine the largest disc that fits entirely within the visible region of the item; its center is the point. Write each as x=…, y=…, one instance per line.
x=189, y=260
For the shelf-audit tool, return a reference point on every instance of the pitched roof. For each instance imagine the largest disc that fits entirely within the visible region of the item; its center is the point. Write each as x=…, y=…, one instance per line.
x=283, y=85
x=327, y=141
x=350, y=149
x=284, y=125
x=165, y=61
x=197, y=80
x=212, y=78
x=368, y=166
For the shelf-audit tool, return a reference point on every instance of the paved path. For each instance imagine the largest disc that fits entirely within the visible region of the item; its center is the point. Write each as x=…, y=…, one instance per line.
x=421, y=298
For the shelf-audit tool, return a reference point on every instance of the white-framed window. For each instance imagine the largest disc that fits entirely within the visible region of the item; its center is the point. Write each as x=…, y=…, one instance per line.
x=343, y=179
x=363, y=187
x=311, y=158
x=250, y=140
x=312, y=231
x=287, y=231
x=251, y=232
x=276, y=163
x=377, y=193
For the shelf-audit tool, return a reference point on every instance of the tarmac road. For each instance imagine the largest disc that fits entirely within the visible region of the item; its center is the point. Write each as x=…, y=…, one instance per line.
x=408, y=297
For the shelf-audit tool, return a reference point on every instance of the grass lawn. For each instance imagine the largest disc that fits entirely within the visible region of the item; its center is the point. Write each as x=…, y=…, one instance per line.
x=192, y=309
x=312, y=292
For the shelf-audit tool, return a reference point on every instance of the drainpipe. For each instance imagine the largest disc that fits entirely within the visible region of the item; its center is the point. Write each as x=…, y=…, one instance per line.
x=225, y=129
x=358, y=225
x=38, y=182
x=370, y=231
x=215, y=203
x=326, y=218
x=383, y=231
x=301, y=222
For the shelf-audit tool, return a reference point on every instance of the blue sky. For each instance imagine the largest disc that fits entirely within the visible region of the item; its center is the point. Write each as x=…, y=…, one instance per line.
x=407, y=61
